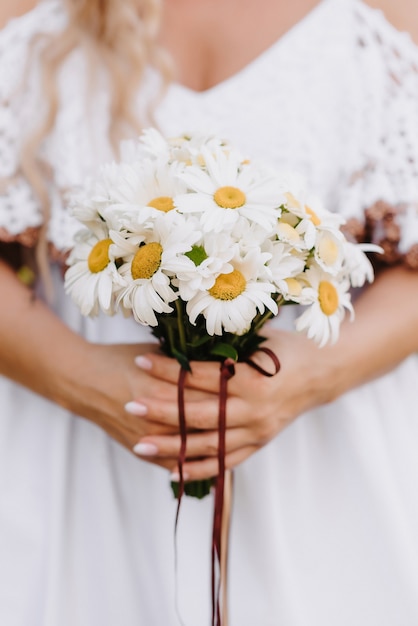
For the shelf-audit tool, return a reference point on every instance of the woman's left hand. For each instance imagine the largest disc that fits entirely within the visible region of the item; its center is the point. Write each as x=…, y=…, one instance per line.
x=258, y=407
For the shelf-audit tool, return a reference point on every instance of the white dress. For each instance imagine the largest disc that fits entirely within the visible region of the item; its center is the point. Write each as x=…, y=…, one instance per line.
x=325, y=518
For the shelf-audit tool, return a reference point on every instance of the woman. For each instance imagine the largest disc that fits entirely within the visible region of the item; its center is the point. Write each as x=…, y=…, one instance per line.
x=324, y=510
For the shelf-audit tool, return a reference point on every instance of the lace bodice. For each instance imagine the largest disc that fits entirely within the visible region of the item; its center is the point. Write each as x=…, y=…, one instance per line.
x=335, y=98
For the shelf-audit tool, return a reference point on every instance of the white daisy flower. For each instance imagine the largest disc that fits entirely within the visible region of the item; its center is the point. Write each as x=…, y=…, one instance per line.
x=149, y=267
x=293, y=235
x=305, y=204
x=320, y=216
x=284, y=266
x=87, y=203
x=249, y=235
x=357, y=265
x=226, y=190
x=211, y=256
x=151, y=144
x=330, y=297
x=101, y=199
x=329, y=250
x=92, y=280
x=83, y=208
x=187, y=148
x=151, y=185
x=234, y=300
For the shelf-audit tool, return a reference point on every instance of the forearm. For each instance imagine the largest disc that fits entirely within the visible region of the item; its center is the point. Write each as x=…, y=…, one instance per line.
x=36, y=349
x=94, y=381
x=384, y=332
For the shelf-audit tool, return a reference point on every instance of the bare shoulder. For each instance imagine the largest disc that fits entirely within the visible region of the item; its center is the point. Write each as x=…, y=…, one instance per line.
x=402, y=14
x=10, y=10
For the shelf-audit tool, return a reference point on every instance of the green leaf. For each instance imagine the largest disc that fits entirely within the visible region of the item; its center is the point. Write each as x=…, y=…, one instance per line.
x=197, y=254
x=182, y=359
x=225, y=350
x=196, y=489
x=200, y=341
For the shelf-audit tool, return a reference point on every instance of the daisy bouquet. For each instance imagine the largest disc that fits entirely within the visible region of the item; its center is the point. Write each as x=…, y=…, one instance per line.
x=204, y=246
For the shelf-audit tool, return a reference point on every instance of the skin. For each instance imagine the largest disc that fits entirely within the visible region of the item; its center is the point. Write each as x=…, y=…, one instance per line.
x=96, y=381
x=19, y=8
x=403, y=15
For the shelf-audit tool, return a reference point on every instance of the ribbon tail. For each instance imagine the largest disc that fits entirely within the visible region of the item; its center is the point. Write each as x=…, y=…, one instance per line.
x=227, y=371
x=181, y=459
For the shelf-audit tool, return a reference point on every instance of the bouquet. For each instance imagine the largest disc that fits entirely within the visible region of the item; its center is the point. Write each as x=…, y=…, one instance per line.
x=204, y=246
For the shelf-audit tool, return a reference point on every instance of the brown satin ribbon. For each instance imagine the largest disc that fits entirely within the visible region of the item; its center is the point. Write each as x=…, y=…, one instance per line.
x=181, y=459
x=260, y=369
x=227, y=371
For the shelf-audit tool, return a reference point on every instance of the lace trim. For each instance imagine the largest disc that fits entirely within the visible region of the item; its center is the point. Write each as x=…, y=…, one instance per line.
x=27, y=238
x=379, y=24
x=382, y=227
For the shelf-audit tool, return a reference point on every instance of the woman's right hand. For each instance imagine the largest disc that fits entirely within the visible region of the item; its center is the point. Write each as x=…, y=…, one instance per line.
x=94, y=381
x=105, y=386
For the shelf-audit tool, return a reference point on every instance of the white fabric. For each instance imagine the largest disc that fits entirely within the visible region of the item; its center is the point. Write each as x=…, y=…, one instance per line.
x=325, y=517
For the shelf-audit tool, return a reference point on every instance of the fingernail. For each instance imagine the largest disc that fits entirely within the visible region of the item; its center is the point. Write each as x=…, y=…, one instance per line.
x=135, y=408
x=175, y=477
x=145, y=449
x=143, y=362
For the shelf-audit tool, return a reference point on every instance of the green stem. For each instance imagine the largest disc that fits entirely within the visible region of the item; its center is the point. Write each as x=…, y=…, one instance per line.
x=263, y=319
x=267, y=315
x=170, y=336
x=181, y=329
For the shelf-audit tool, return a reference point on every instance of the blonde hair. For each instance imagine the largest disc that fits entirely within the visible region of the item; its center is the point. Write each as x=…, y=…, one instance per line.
x=118, y=36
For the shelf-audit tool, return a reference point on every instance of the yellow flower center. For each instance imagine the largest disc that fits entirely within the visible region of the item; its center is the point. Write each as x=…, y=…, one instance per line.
x=229, y=197
x=98, y=258
x=228, y=286
x=328, y=297
x=146, y=261
x=314, y=218
x=286, y=231
x=294, y=287
x=162, y=203
x=328, y=251
x=292, y=203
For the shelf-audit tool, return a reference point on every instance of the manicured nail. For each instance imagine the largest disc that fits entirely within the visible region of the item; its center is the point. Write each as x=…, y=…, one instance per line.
x=175, y=477
x=145, y=449
x=135, y=408
x=143, y=362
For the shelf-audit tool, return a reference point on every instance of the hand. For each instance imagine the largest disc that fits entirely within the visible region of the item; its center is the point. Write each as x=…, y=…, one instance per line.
x=258, y=407
x=41, y=353
x=109, y=379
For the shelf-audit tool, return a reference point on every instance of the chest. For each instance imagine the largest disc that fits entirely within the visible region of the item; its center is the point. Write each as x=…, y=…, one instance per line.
x=211, y=40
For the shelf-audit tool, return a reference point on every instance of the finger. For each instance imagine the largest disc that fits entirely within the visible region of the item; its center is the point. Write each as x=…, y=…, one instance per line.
x=209, y=467
x=198, y=445
x=204, y=375
x=166, y=464
x=202, y=415
x=250, y=383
